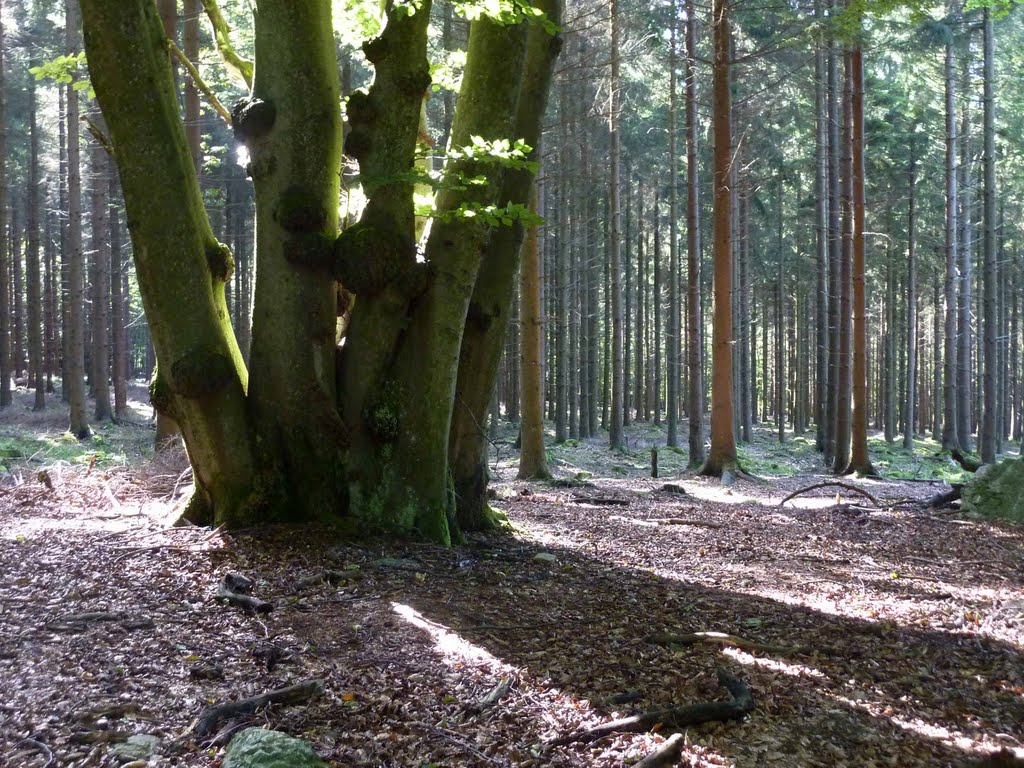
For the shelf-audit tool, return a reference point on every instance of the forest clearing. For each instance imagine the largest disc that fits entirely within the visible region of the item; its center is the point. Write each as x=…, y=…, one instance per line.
x=866, y=636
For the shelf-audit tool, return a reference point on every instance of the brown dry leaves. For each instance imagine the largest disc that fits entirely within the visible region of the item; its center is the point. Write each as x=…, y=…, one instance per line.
x=917, y=622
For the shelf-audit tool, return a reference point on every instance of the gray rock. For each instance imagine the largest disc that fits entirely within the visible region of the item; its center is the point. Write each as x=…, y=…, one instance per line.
x=257, y=748
x=545, y=557
x=141, y=746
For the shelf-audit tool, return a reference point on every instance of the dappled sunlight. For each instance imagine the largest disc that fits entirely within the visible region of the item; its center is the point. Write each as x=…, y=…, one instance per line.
x=452, y=646
x=775, y=665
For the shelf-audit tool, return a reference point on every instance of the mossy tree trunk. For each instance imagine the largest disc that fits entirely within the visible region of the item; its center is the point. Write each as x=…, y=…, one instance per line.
x=490, y=306
x=313, y=431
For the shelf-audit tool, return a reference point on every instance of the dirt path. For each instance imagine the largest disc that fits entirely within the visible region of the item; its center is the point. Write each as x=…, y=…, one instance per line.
x=886, y=637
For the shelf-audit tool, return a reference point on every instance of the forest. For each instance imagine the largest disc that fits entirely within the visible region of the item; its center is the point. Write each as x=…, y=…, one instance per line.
x=511, y=382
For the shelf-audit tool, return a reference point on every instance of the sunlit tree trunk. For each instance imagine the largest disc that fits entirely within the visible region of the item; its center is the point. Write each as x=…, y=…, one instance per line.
x=721, y=460
x=532, y=460
x=118, y=305
x=844, y=377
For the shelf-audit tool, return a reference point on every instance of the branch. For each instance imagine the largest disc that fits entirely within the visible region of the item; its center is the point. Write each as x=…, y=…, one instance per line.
x=674, y=717
x=199, y=82
x=847, y=486
x=664, y=756
x=241, y=68
x=723, y=639
x=99, y=135
x=293, y=694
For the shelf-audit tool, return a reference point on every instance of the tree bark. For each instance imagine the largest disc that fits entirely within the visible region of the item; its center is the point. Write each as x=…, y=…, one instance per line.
x=694, y=313
x=100, y=279
x=74, y=350
x=672, y=329
x=5, y=333
x=950, y=401
x=33, y=277
x=722, y=456
x=860, y=461
x=988, y=247
x=532, y=459
x=911, y=388
x=615, y=439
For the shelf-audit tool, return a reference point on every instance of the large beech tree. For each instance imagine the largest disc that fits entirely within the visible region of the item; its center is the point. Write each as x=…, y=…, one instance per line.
x=356, y=432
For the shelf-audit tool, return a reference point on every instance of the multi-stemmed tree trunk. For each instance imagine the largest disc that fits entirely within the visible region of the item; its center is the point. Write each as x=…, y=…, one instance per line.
x=33, y=277
x=74, y=343
x=694, y=314
x=721, y=458
x=302, y=435
x=614, y=151
x=988, y=247
x=5, y=334
x=860, y=461
x=100, y=286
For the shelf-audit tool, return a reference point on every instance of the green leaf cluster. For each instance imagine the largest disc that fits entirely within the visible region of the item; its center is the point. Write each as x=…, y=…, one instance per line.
x=505, y=12
x=65, y=69
x=489, y=215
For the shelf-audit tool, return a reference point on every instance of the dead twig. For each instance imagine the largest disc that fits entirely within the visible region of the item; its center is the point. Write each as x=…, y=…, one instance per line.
x=664, y=756
x=300, y=693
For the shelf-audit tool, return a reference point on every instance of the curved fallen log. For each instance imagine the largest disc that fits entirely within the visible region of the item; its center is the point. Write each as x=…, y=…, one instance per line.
x=299, y=693
x=673, y=718
x=836, y=483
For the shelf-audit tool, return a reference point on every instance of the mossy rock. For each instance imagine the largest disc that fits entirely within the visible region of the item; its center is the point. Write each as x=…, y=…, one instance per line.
x=997, y=491
x=257, y=748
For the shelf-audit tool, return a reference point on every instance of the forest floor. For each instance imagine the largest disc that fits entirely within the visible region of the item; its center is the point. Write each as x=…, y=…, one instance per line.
x=866, y=635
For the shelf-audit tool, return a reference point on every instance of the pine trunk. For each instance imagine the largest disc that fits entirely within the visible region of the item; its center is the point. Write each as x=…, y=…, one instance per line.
x=988, y=249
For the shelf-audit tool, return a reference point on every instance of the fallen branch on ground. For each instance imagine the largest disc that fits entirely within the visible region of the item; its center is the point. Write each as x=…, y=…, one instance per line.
x=664, y=756
x=300, y=693
x=967, y=463
x=674, y=717
x=721, y=638
x=601, y=501
x=227, y=592
x=940, y=500
x=837, y=484
x=667, y=521
x=496, y=694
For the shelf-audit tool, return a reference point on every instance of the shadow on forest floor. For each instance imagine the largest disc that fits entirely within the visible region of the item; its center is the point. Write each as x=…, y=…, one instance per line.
x=892, y=637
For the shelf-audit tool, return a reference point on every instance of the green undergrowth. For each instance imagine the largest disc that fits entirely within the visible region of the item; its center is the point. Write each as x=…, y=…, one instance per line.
x=109, y=445
x=927, y=461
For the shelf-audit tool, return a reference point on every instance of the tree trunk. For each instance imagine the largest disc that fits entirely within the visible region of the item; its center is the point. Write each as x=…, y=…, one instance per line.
x=965, y=336
x=492, y=299
x=821, y=239
x=118, y=305
x=672, y=329
x=834, y=237
x=722, y=456
x=988, y=249
x=532, y=459
x=911, y=388
x=33, y=277
x=860, y=461
x=5, y=310
x=615, y=424
x=100, y=278
x=74, y=349
x=694, y=326
x=561, y=278
x=951, y=439
x=844, y=378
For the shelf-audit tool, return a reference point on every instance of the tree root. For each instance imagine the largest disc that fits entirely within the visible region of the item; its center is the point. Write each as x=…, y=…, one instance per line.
x=836, y=483
x=299, y=693
x=673, y=718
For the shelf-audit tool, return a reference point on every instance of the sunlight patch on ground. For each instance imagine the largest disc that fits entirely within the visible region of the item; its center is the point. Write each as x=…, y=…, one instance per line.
x=452, y=646
x=786, y=668
x=917, y=726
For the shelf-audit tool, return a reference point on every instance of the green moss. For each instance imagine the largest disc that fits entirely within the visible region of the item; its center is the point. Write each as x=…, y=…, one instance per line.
x=383, y=415
x=160, y=395
x=252, y=119
x=368, y=258
x=997, y=491
x=300, y=210
x=310, y=250
x=220, y=261
x=201, y=373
